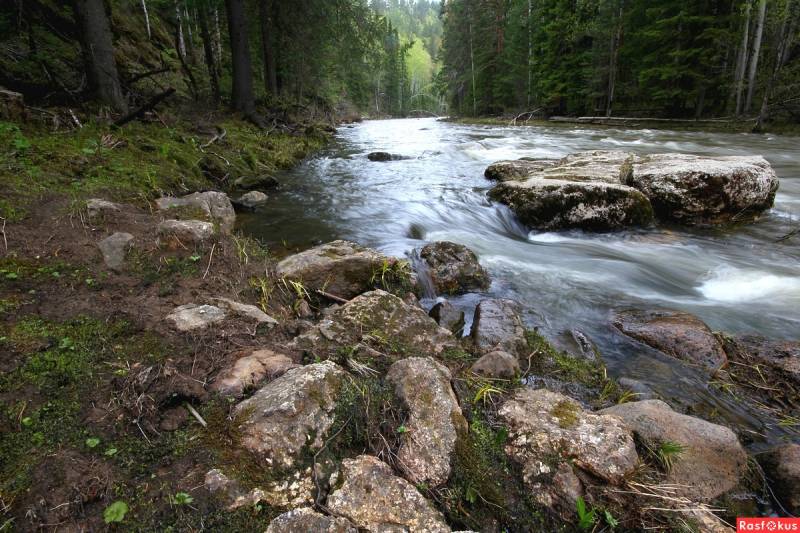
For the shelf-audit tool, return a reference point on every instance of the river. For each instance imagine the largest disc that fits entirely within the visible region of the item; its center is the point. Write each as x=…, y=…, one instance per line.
x=741, y=280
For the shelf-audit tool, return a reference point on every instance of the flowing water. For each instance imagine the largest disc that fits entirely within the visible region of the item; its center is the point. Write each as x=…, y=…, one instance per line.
x=740, y=280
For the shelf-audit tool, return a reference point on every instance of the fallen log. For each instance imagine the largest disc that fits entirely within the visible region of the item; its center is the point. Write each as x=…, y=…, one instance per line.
x=138, y=113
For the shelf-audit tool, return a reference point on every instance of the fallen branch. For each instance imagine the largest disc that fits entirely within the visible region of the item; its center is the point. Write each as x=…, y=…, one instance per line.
x=529, y=113
x=210, y=257
x=195, y=414
x=217, y=137
x=148, y=74
x=138, y=113
x=330, y=296
x=75, y=119
x=3, y=231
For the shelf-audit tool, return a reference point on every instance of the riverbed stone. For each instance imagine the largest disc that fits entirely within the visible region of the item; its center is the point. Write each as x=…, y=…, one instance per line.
x=712, y=461
x=449, y=317
x=497, y=364
x=434, y=419
x=186, y=231
x=379, y=319
x=342, y=268
x=114, y=249
x=454, y=268
x=704, y=190
x=216, y=205
x=374, y=499
x=307, y=520
x=191, y=317
x=547, y=428
x=517, y=169
x=497, y=325
x=782, y=468
x=292, y=413
x=675, y=333
x=251, y=370
x=252, y=199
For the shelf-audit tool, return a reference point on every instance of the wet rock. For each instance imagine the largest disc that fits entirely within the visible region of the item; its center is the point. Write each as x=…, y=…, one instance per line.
x=783, y=356
x=378, y=318
x=187, y=231
x=251, y=199
x=712, y=461
x=97, y=207
x=518, y=169
x=454, y=268
x=375, y=500
x=446, y=315
x=641, y=390
x=192, y=317
x=291, y=413
x=675, y=333
x=306, y=520
x=546, y=426
x=342, y=268
x=497, y=364
x=434, y=419
x=497, y=325
x=246, y=310
x=607, y=166
x=705, y=190
x=248, y=183
x=782, y=467
x=251, y=370
x=385, y=156
x=115, y=248
x=579, y=344
x=216, y=205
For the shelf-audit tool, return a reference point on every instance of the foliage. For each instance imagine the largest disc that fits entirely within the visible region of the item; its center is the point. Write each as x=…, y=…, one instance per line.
x=586, y=517
x=115, y=512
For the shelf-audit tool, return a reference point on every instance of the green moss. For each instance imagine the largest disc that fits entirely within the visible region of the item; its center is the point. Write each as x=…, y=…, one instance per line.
x=566, y=412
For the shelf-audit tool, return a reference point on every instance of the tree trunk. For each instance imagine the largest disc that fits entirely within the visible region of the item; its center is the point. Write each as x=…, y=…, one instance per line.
x=98, y=53
x=472, y=71
x=751, y=79
x=784, y=46
x=181, y=42
x=530, y=53
x=612, y=67
x=741, y=60
x=208, y=49
x=242, y=98
x=147, y=19
x=270, y=74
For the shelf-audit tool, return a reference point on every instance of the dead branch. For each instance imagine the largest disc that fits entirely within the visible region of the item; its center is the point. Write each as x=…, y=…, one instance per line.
x=138, y=113
x=329, y=296
x=217, y=137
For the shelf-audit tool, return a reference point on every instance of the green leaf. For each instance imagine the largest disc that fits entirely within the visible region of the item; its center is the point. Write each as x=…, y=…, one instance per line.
x=110, y=452
x=610, y=520
x=92, y=442
x=115, y=512
x=402, y=429
x=182, y=498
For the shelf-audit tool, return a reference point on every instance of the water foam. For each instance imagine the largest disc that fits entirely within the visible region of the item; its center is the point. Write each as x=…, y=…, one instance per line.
x=732, y=285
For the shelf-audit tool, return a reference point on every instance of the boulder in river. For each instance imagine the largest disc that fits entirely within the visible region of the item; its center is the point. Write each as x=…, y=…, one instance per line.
x=454, y=268
x=374, y=499
x=705, y=190
x=710, y=462
x=342, y=268
x=675, y=333
x=449, y=317
x=216, y=205
x=251, y=199
x=292, y=413
x=517, y=169
x=384, y=156
x=782, y=467
x=497, y=325
x=434, y=419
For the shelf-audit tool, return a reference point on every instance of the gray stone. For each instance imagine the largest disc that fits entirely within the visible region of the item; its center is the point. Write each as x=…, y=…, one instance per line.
x=782, y=467
x=454, y=268
x=712, y=461
x=434, y=419
x=307, y=520
x=705, y=190
x=545, y=426
x=215, y=205
x=292, y=413
x=498, y=326
x=189, y=231
x=518, y=169
x=192, y=317
x=96, y=207
x=251, y=370
x=115, y=248
x=446, y=315
x=252, y=199
x=501, y=365
x=246, y=310
x=296, y=489
x=375, y=500
x=342, y=268
x=675, y=333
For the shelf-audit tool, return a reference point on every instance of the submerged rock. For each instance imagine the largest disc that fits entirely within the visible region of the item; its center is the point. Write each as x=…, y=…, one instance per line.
x=192, y=317
x=454, y=268
x=216, y=205
x=307, y=520
x=711, y=461
x=342, y=268
x=518, y=169
x=497, y=325
x=376, y=500
x=674, y=333
x=115, y=248
x=546, y=429
x=434, y=419
x=378, y=318
x=291, y=413
x=251, y=199
x=782, y=467
x=705, y=190
x=188, y=231
x=251, y=370
x=446, y=315
x=384, y=156
x=497, y=364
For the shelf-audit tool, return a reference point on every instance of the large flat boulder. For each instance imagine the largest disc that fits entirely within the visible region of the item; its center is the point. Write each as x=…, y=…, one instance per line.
x=374, y=499
x=497, y=325
x=380, y=319
x=434, y=419
x=547, y=429
x=517, y=169
x=711, y=462
x=705, y=190
x=454, y=268
x=675, y=333
x=342, y=268
x=290, y=414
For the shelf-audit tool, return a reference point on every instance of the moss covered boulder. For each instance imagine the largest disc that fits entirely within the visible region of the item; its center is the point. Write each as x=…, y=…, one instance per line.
x=517, y=169
x=454, y=268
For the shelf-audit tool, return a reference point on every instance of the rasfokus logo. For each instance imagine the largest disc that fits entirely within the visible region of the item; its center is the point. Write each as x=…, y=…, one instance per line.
x=768, y=525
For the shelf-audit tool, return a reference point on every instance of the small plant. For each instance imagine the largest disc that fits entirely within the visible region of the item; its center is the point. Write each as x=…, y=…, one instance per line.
x=391, y=272
x=627, y=396
x=115, y=512
x=92, y=442
x=610, y=519
x=264, y=287
x=586, y=517
x=182, y=498
x=402, y=429
x=668, y=452
x=485, y=393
